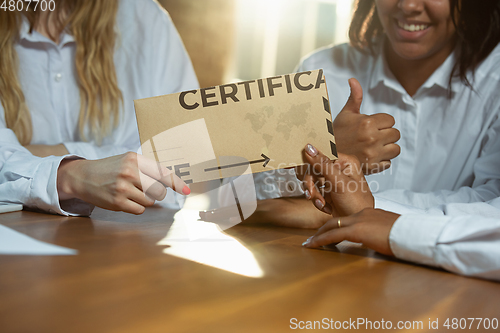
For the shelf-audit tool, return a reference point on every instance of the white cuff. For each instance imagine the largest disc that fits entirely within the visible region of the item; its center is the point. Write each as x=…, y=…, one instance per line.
x=391, y=206
x=414, y=237
x=44, y=194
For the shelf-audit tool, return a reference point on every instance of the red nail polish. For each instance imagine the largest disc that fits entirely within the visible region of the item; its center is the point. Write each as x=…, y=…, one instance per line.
x=186, y=190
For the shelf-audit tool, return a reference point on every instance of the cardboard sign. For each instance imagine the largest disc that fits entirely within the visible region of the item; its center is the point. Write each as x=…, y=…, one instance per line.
x=219, y=132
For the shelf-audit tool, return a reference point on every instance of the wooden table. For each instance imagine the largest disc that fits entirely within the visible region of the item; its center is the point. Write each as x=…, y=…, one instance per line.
x=121, y=281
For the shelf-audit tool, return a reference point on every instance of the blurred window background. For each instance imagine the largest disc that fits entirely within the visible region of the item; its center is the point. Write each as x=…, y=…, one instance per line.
x=273, y=35
x=231, y=40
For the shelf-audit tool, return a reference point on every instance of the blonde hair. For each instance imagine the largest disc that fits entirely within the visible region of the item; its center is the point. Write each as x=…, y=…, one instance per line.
x=92, y=24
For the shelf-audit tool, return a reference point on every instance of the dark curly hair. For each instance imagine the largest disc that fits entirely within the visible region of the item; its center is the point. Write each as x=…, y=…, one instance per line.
x=477, y=24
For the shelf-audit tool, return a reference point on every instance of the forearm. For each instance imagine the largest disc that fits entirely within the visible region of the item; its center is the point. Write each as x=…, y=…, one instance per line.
x=47, y=150
x=288, y=212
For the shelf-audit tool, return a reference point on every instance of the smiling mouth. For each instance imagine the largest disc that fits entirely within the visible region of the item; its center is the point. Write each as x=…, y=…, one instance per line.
x=412, y=27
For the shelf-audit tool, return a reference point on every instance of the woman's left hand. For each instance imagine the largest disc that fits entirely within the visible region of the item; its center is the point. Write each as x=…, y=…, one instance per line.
x=344, y=191
x=370, y=227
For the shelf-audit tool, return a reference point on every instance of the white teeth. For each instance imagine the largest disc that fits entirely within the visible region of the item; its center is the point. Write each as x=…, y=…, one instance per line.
x=412, y=27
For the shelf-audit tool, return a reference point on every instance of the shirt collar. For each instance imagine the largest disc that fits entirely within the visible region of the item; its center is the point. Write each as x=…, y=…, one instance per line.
x=441, y=76
x=381, y=74
x=36, y=37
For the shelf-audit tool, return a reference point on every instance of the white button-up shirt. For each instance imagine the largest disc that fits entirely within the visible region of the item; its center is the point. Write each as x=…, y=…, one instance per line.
x=150, y=60
x=450, y=155
x=450, y=147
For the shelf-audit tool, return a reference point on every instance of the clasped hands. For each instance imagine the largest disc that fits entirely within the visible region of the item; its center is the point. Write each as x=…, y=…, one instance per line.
x=339, y=188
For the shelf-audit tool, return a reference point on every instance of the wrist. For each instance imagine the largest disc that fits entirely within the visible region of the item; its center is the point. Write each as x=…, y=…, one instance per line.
x=368, y=202
x=66, y=180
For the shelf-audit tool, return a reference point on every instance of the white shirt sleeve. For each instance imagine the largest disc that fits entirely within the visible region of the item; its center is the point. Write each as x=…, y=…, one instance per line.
x=467, y=245
x=31, y=180
x=461, y=238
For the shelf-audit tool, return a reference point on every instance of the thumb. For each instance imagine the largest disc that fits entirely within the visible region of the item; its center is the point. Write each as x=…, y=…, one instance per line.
x=354, y=102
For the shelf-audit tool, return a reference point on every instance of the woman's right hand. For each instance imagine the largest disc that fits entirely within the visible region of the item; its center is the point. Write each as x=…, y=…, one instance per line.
x=372, y=139
x=129, y=182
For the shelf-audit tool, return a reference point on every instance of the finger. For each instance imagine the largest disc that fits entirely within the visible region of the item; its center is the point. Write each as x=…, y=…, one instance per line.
x=334, y=224
x=390, y=151
x=309, y=186
x=320, y=203
x=320, y=185
x=152, y=188
x=353, y=104
x=315, y=191
x=314, y=160
x=331, y=229
x=321, y=198
x=139, y=197
x=323, y=166
x=157, y=191
x=127, y=198
x=314, y=184
x=328, y=208
x=167, y=177
x=319, y=162
x=132, y=207
x=332, y=237
x=389, y=135
x=315, y=194
x=383, y=120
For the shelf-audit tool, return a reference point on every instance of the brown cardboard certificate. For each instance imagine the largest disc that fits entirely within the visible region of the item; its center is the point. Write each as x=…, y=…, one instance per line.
x=213, y=132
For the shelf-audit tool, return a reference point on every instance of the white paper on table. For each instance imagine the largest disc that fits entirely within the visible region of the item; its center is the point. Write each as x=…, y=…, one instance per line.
x=6, y=207
x=13, y=242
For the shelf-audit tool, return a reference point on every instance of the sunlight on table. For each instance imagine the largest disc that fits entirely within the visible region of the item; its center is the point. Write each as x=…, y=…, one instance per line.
x=205, y=243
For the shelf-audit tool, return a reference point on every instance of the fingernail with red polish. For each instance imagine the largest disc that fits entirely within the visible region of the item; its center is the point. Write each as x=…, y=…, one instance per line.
x=311, y=151
x=186, y=190
x=308, y=195
x=319, y=204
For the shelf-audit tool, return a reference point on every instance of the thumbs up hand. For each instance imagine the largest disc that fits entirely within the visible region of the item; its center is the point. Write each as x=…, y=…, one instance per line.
x=372, y=139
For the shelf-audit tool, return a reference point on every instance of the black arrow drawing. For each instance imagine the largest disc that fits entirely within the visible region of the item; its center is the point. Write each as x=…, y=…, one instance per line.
x=265, y=160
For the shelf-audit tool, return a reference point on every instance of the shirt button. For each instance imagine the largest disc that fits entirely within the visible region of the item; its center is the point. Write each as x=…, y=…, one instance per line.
x=58, y=77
